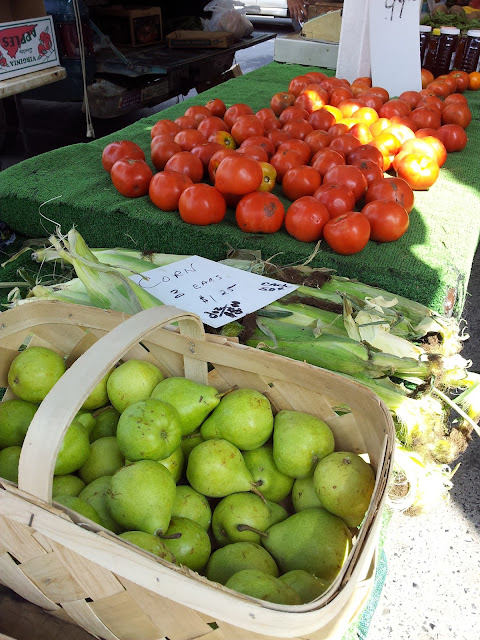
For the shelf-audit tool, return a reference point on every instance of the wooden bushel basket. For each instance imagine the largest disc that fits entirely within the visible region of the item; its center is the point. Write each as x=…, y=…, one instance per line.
x=85, y=574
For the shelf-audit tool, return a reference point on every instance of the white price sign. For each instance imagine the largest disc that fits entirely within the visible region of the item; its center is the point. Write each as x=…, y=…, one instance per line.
x=214, y=291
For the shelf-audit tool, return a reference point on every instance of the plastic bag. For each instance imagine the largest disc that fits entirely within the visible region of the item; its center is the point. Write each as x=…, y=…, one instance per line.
x=225, y=17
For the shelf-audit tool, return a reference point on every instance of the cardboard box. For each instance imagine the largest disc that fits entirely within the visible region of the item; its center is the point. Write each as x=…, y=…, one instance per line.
x=27, y=38
x=200, y=39
x=135, y=27
x=325, y=28
x=315, y=9
x=295, y=49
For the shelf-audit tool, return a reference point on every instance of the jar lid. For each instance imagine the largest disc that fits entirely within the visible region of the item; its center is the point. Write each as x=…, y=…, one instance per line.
x=452, y=31
x=436, y=31
x=473, y=33
x=424, y=28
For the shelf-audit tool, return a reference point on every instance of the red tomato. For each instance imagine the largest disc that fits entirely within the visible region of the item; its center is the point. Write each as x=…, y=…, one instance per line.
x=325, y=159
x=455, y=97
x=235, y=111
x=337, y=129
x=260, y=141
x=260, y=212
x=427, y=77
x=198, y=112
x=298, y=83
x=215, y=160
x=337, y=198
x=280, y=101
x=462, y=80
x=164, y=126
x=345, y=144
x=350, y=176
x=189, y=138
x=209, y=126
x=388, y=220
x=312, y=99
x=417, y=145
x=300, y=146
x=349, y=106
x=205, y=151
x=422, y=133
x=293, y=113
x=369, y=168
x=216, y=107
x=131, y=177
x=306, y=218
x=202, y=204
x=380, y=92
x=426, y=117
x=362, y=132
x=269, y=119
x=254, y=151
x=162, y=151
x=406, y=121
x=285, y=159
x=348, y=233
x=318, y=139
x=439, y=88
x=453, y=137
x=166, y=187
x=394, y=107
x=298, y=129
x=187, y=163
x=237, y=174
x=322, y=119
x=421, y=172
x=391, y=189
x=277, y=136
x=316, y=76
x=338, y=95
x=456, y=113
x=400, y=131
x=387, y=143
x=300, y=181
x=224, y=138
x=370, y=100
x=118, y=150
x=186, y=122
x=269, y=177
x=366, y=152
x=438, y=147
x=412, y=98
x=246, y=126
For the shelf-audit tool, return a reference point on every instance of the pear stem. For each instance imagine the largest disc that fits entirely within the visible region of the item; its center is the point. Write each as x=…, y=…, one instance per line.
x=225, y=393
x=254, y=489
x=247, y=527
x=172, y=536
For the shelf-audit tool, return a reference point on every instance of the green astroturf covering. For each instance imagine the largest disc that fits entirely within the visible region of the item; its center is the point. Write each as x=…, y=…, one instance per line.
x=433, y=257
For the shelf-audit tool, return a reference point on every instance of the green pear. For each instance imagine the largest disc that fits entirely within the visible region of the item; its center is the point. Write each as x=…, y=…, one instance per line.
x=106, y=423
x=68, y=484
x=226, y=561
x=216, y=468
x=98, y=397
x=344, y=483
x=314, y=540
x=149, y=430
x=104, y=459
x=9, y=459
x=190, y=442
x=15, y=418
x=175, y=463
x=193, y=401
x=188, y=542
x=273, y=484
x=95, y=494
x=300, y=440
x=80, y=506
x=141, y=496
x=244, y=417
x=132, y=381
x=74, y=450
x=190, y=504
x=307, y=586
x=240, y=517
x=150, y=543
x=33, y=373
x=277, y=513
x=87, y=419
x=263, y=586
x=304, y=495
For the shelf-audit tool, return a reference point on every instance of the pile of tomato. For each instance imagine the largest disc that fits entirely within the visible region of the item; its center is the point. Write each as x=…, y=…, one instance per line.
x=347, y=155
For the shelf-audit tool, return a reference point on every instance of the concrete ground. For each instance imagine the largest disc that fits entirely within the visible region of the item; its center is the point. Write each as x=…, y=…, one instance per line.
x=431, y=589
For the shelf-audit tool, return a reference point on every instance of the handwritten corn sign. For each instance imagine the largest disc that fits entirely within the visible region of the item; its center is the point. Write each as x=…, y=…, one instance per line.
x=380, y=38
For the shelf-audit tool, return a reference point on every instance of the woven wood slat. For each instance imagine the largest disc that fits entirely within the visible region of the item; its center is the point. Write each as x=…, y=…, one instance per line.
x=97, y=582
x=16, y=580
x=86, y=339
x=175, y=621
x=53, y=578
x=18, y=540
x=38, y=341
x=125, y=618
x=347, y=434
x=6, y=358
x=59, y=337
x=171, y=362
x=81, y=613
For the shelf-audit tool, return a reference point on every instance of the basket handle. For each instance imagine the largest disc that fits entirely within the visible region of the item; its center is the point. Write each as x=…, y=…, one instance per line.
x=59, y=407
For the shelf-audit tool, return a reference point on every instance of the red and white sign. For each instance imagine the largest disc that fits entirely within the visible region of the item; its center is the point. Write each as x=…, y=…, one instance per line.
x=27, y=46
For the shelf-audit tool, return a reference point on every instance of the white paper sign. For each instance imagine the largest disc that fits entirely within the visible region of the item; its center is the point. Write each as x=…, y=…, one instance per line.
x=395, y=45
x=354, y=46
x=217, y=293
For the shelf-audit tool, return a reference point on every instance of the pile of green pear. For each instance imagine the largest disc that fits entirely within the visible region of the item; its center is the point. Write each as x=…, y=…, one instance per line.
x=256, y=501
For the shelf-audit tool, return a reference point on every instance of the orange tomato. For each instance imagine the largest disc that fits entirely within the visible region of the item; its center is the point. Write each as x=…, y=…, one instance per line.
x=474, y=81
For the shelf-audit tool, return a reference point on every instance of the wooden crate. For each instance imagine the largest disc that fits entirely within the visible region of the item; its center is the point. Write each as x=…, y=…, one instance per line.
x=132, y=26
x=200, y=39
x=87, y=575
x=315, y=9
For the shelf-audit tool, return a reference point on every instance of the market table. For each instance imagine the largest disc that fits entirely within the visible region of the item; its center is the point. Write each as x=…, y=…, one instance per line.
x=431, y=263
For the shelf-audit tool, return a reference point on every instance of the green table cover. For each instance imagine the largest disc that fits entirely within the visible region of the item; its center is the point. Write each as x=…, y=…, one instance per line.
x=68, y=186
